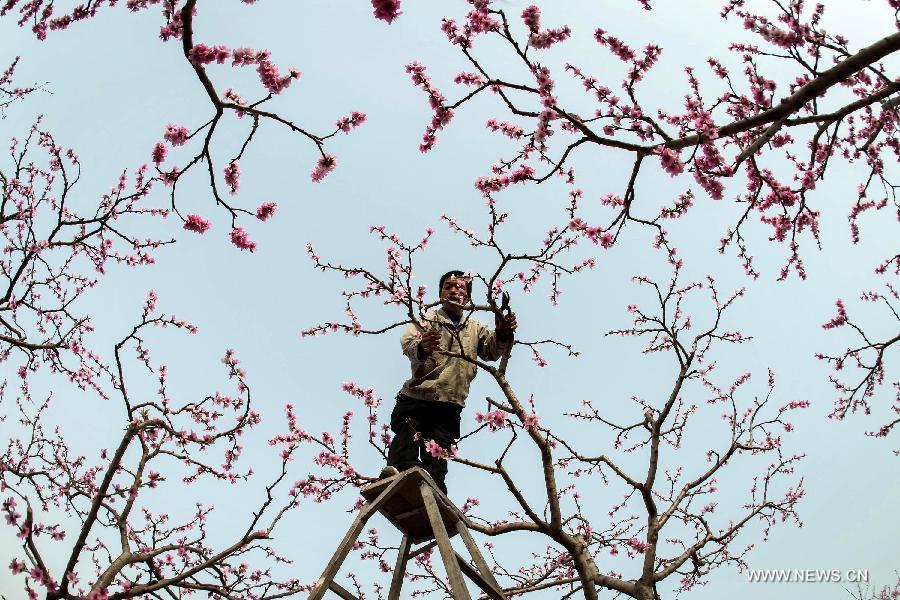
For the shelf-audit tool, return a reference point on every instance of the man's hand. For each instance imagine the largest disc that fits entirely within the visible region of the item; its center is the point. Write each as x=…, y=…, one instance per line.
x=505, y=325
x=431, y=341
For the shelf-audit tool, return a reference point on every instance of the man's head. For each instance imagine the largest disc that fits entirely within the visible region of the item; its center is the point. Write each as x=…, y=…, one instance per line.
x=455, y=290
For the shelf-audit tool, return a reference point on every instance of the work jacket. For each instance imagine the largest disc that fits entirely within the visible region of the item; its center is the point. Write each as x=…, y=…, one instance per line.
x=438, y=377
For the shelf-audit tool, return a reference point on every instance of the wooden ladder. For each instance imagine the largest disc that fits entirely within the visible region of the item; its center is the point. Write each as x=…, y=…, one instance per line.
x=413, y=504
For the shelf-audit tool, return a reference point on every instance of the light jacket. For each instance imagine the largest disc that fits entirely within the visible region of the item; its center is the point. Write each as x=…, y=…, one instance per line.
x=438, y=377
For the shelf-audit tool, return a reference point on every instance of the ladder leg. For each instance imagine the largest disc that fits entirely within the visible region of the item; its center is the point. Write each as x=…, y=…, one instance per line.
x=347, y=543
x=448, y=555
x=400, y=569
x=338, y=558
x=477, y=557
x=473, y=574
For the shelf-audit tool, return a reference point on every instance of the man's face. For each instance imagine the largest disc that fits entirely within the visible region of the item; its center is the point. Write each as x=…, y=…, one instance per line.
x=454, y=294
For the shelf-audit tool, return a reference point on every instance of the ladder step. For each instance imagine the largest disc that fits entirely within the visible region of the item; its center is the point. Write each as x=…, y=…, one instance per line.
x=406, y=510
x=341, y=591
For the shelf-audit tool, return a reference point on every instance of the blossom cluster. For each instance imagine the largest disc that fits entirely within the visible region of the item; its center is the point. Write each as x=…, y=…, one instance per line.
x=272, y=80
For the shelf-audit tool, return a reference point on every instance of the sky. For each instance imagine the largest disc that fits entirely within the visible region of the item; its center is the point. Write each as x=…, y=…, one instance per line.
x=111, y=87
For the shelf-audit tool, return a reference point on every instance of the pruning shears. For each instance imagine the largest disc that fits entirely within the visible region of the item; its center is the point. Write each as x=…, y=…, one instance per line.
x=505, y=310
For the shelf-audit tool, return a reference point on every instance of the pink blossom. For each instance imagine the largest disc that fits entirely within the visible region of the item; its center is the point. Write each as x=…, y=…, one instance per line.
x=438, y=451
x=638, y=545
x=469, y=504
x=840, y=319
x=577, y=224
x=616, y=46
x=808, y=180
x=442, y=113
x=173, y=29
x=265, y=210
x=494, y=420
x=170, y=177
x=150, y=303
x=479, y=19
x=233, y=177
x=239, y=238
x=781, y=139
x=159, y=153
x=510, y=130
x=532, y=18
x=531, y=422
x=770, y=442
x=271, y=79
x=472, y=79
x=202, y=54
x=670, y=161
x=243, y=56
x=325, y=166
x=434, y=449
x=494, y=184
x=542, y=39
x=794, y=404
x=355, y=119
x=177, y=136
x=386, y=10
x=196, y=223
x=17, y=566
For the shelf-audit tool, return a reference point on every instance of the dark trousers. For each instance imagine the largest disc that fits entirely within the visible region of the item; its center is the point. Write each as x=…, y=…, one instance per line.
x=438, y=421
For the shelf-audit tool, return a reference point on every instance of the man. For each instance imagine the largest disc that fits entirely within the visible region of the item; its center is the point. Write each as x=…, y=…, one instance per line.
x=431, y=400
